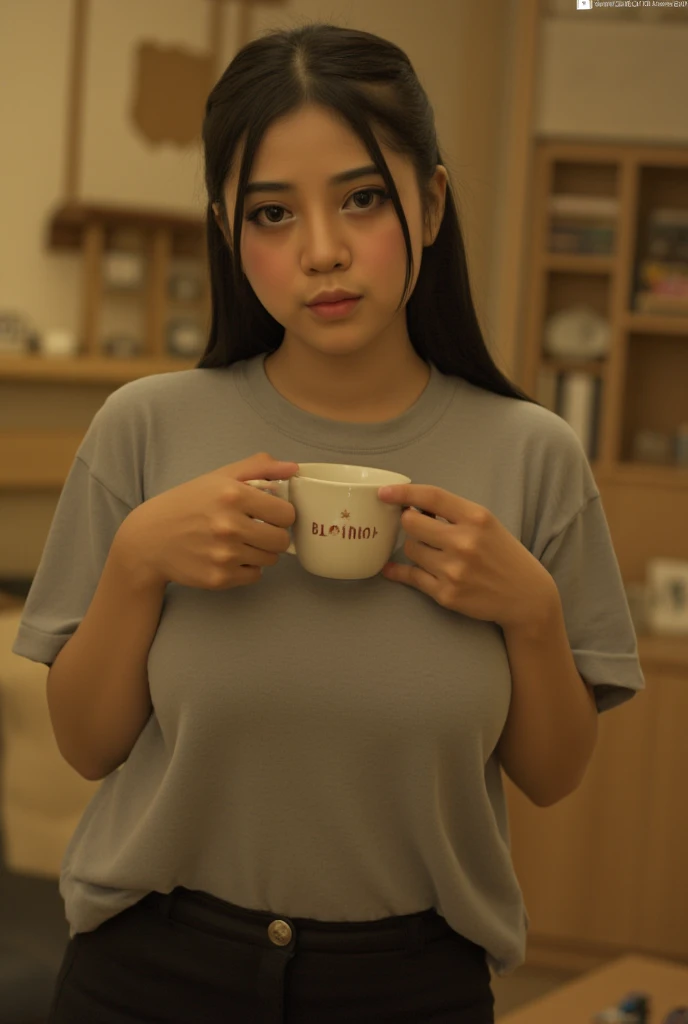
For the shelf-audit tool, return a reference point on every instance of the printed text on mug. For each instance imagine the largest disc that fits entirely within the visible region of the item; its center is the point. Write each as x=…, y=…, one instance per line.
x=344, y=532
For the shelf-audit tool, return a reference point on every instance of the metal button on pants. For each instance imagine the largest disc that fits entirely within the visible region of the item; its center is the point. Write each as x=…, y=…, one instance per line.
x=273, y=966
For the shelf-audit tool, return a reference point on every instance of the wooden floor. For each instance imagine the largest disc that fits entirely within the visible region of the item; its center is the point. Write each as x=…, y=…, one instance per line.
x=32, y=921
x=524, y=985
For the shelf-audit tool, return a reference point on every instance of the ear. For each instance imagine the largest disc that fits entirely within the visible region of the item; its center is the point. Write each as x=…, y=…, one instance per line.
x=217, y=212
x=438, y=187
x=218, y=216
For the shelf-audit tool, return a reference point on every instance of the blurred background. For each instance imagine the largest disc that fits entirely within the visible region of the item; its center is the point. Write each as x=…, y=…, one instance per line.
x=565, y=129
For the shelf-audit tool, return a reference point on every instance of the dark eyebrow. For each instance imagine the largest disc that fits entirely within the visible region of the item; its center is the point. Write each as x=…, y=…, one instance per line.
x=286, y=186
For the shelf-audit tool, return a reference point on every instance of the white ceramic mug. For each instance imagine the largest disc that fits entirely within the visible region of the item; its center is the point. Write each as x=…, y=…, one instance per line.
x=342, y=529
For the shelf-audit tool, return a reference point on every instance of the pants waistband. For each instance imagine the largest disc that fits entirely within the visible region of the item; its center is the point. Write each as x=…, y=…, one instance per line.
x=201, y=910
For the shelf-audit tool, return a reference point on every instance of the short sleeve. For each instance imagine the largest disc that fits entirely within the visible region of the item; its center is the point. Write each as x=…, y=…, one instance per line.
x=87, y=516
x=583, y=563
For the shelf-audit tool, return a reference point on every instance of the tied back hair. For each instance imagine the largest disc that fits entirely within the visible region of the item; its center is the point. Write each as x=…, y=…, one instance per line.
x=367, y=82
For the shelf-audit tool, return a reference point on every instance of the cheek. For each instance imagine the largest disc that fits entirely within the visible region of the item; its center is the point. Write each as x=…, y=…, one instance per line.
x=266, y=266
x=385, y=252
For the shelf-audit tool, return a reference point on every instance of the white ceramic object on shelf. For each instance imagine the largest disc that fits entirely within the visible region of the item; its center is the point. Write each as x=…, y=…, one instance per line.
x=123, y=269
x=667, y=585
x=58, y=342
x=577, y=332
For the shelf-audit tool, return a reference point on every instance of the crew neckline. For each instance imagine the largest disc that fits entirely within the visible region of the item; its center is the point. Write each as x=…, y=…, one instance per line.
x=256, y=388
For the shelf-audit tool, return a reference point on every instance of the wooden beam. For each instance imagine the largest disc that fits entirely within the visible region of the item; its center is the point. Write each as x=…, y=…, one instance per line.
x=160, y=251
x=76, y=99
x=516, y=185
x=216, y=25
x=92, y=288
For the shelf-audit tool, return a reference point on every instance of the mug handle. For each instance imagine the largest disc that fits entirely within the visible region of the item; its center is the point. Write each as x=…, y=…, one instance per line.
x=282, y=489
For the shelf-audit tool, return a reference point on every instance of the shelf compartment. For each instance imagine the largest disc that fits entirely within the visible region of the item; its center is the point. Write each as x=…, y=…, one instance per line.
x=655, y=394
x=659, y=189
x=586, y=177
x=583, y=208
x=579, y=263
x=564, y=289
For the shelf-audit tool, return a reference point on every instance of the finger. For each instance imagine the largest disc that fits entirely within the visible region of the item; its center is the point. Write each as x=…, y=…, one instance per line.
x=420, y=527
x=431, y=499
x=430, y=559
x=413, y=576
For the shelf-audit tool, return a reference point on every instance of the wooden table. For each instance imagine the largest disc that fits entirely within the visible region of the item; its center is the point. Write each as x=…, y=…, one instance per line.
x=577, y=1001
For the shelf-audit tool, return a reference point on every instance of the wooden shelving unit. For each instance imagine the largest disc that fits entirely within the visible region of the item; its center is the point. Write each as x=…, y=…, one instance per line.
x=158, y=237
x=39, y=460
x=645, y=374
x=601, y=870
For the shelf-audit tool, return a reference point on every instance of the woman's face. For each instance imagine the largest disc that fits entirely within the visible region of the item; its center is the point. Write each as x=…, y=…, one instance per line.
x=319, y=234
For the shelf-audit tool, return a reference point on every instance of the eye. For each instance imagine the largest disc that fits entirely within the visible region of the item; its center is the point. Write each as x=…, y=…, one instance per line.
x=382, y=195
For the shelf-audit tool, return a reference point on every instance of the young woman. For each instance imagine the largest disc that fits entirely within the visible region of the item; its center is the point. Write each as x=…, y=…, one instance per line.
x=302, y=816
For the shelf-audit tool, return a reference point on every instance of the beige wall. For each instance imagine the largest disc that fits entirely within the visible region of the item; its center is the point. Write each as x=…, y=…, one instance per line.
x=456, y=48
x=613, y=78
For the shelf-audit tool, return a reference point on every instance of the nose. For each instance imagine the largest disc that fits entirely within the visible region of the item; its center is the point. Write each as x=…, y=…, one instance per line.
x=324, y=243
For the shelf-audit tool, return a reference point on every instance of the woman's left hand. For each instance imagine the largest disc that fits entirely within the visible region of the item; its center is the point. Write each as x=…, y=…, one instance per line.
x=471, y=564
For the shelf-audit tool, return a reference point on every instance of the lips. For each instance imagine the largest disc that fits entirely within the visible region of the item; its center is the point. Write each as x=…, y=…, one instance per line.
x=335, y=310
x=328, y=299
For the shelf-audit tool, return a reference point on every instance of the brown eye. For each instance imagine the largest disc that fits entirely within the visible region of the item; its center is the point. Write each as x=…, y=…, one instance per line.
x=263, y=209
x=366, y=192
x=379, y=192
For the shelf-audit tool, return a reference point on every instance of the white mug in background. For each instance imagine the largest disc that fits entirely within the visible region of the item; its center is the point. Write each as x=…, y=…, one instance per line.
x=342, y=529
x=58, y=342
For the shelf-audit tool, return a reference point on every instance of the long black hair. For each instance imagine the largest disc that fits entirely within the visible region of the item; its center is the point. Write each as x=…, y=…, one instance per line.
x=368, y=81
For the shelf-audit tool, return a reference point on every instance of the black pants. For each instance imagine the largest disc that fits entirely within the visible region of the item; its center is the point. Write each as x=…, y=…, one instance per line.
x=190, y=958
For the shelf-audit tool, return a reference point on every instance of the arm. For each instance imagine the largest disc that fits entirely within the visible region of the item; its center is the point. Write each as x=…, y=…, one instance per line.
x=97, y=690
x=551, y=728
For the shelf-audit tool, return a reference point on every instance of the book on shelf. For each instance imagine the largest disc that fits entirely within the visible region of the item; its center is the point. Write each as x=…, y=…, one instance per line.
x=669, y=276
x=575, y=205
x=576, y=396
x=651, y=302
x=582, y=224
x=591, y=239
x=666, y=235
x=663, y=277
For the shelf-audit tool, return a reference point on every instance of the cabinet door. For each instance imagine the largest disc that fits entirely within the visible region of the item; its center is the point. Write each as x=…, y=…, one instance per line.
x=581, y=863
x=663, y=893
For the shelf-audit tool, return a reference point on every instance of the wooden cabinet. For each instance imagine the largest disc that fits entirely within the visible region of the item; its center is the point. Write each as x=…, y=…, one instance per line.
x=663, y=892
x=605, y=871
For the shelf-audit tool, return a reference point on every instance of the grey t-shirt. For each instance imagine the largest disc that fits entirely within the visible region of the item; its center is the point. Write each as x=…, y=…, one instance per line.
x=323, y=748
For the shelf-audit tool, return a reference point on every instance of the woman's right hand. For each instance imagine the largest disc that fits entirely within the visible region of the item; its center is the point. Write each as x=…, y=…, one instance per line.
x=205, y=533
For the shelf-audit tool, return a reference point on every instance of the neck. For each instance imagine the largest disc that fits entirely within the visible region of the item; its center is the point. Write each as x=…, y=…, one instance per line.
x=359, y=387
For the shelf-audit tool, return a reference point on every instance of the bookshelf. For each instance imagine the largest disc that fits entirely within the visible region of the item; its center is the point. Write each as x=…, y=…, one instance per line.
x=601, y=869
x=632, y=404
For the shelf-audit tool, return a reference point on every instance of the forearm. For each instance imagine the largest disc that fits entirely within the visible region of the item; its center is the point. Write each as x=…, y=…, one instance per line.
x=551, y=728
x=98, y=693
